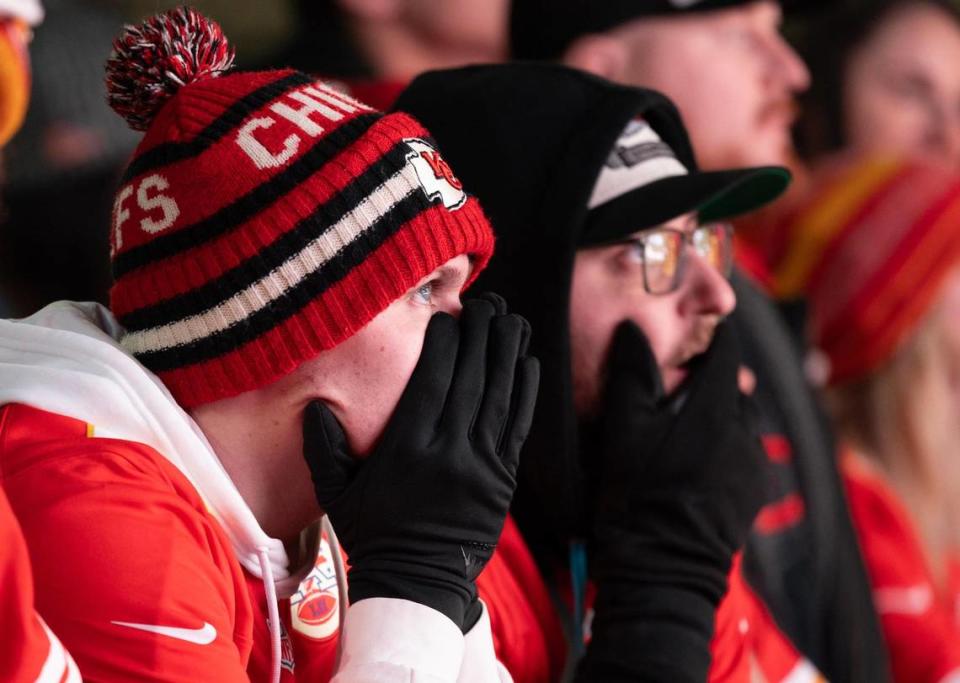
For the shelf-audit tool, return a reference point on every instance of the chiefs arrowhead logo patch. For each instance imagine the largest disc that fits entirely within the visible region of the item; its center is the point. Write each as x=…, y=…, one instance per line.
x=435, y=175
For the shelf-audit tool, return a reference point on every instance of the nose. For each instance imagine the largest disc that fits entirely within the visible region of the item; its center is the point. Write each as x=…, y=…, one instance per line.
x=952, y=146
x=788, y=65
x=943, y=136
x=454, y=307
x=706, y=290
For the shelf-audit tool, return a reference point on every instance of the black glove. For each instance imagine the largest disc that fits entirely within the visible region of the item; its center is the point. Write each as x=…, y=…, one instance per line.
x=422, y=514
x=680, y=483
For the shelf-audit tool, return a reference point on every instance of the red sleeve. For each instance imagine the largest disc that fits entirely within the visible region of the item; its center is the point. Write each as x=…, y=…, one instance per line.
x=138, y=581
x=729, y=650
x=27, y=649
x=918, y=622
x=527, y=634
x=748, y=642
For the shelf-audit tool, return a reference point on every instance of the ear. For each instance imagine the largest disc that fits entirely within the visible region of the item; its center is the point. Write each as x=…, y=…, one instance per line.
x=374, y=10
x=599, y=54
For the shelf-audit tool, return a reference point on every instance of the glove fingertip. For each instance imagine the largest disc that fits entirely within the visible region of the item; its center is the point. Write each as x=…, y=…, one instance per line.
x=324, y=440
x=527, y=385
x=313, y=417
x=499, y=303
x=525, y=333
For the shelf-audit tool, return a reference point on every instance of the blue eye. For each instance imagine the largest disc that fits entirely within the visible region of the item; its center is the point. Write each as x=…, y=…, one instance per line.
x=424, y=293
x=635, y=250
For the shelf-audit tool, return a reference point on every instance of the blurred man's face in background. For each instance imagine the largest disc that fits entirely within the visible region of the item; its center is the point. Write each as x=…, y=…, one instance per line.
x=902, y=86
x=475, y=26
x=403, y=38
x=729, y=71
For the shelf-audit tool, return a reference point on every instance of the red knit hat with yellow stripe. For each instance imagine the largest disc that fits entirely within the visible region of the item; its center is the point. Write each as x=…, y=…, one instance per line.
x=265, y=217
x=870, y=247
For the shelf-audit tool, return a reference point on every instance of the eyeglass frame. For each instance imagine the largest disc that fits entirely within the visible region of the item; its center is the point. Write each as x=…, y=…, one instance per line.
x=687, y=238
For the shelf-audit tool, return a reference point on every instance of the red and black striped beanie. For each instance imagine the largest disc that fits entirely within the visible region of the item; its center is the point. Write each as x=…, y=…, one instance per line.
x=265, y=217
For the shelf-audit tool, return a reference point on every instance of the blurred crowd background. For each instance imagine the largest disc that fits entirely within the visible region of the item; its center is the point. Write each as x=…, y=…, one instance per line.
x=61, y=168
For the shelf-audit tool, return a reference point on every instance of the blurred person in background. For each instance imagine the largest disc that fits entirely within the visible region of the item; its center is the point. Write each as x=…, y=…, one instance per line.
x=888, y=79
x=375, y=47
x=735, y=82
x=643, y=471
x=17, y=19
x=29, y=651
x=71, y=147
x=877, y=250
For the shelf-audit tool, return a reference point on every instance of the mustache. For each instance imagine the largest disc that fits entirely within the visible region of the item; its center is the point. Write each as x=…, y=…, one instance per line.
x=698, y=341
x=782, y=108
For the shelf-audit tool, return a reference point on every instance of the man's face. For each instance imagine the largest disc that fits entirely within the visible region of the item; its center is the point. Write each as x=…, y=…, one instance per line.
x=472, y=26
x=362, y=379
x=608, y=288
x=731, y=74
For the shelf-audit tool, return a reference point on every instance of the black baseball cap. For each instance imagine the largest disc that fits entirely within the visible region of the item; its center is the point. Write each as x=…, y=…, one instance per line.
x=643, y=183
x=542, y=29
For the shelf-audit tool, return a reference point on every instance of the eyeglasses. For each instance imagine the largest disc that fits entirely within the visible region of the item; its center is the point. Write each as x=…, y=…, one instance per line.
x=662, y=253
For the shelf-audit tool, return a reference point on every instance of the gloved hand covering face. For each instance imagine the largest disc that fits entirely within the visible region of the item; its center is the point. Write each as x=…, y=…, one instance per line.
x=677, y=494
x=420, y=517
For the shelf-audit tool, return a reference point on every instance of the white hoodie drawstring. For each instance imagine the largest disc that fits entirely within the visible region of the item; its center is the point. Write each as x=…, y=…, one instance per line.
x=273, y=613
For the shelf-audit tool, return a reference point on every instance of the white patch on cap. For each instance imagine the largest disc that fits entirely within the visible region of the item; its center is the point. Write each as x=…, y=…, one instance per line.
x=639, y=158
x=435, y=175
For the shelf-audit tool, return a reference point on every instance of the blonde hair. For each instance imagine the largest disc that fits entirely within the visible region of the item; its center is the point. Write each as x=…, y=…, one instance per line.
x=904, y=417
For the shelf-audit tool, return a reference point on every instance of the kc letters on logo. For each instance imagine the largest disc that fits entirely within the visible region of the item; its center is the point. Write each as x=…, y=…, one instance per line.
x=435, y=174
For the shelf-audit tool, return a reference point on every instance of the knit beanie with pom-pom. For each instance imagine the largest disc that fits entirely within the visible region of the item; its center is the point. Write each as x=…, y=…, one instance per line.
x=265, y=217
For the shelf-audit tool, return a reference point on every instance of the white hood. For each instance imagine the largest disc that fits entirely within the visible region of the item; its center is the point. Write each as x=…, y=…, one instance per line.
x=65, y=359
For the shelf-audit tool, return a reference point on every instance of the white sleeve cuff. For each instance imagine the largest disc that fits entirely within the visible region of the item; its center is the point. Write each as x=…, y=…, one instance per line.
x=388, y=639
x=480, y=663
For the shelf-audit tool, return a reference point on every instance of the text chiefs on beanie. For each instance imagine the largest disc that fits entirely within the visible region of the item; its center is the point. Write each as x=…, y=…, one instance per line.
x=265, y=217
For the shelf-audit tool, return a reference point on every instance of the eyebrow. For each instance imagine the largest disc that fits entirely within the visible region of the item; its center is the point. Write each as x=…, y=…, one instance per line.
x=448, y=272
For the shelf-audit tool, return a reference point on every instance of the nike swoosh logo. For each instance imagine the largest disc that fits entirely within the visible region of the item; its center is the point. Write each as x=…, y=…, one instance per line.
x=204, y=635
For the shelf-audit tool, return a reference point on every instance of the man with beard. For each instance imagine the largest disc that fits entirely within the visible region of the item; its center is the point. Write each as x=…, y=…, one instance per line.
x=734, y=80
x=642, y=473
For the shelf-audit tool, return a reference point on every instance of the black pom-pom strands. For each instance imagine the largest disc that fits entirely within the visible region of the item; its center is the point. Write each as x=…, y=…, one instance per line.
x=150, y=62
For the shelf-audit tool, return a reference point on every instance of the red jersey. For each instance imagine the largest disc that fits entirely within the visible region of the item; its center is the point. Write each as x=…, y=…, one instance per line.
x=920, y=622
x=529, y=641
x=141, y=582
x=28, y=650
x=149, y=564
